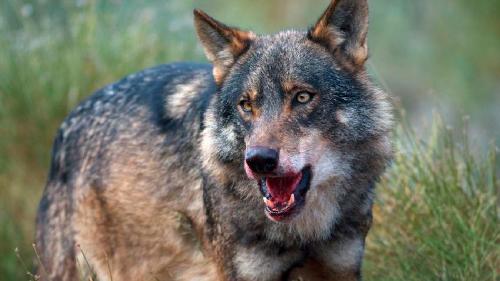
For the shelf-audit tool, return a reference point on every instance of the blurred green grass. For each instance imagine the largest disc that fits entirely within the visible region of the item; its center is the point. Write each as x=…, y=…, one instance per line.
x=437, y=215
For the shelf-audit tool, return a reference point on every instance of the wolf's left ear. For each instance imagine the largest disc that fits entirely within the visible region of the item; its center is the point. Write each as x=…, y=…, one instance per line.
x=342, y=30
x=222, y=44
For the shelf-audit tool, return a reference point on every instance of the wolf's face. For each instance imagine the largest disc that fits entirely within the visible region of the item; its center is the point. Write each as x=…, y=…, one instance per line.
x=294, y=109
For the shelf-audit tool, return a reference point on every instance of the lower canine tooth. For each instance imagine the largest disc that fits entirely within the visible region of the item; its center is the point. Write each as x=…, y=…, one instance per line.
x=268, y=202
x=291, y=200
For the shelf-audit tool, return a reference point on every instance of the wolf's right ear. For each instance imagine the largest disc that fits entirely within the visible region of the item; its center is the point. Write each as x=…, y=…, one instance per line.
x=222, y=44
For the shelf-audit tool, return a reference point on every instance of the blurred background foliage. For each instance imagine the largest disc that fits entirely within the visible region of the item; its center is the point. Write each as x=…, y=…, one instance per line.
x=429, y=55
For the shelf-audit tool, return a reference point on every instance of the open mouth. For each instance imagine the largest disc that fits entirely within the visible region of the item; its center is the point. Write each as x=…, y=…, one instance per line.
x=284, y=195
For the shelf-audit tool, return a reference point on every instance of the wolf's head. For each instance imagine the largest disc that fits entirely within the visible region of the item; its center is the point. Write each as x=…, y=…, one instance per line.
x=295, y=111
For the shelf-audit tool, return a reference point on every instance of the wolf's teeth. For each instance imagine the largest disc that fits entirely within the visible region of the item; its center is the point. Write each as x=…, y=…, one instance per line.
x=291, y=200
x=268, y=203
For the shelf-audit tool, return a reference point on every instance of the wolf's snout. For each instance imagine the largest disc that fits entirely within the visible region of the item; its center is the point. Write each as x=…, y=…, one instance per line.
x=261, y=160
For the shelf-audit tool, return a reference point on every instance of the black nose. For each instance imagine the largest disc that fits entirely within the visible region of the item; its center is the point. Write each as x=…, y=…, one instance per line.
x=261, y=160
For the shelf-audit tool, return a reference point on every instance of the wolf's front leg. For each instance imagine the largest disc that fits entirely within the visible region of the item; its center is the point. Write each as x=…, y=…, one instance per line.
x=338, y=260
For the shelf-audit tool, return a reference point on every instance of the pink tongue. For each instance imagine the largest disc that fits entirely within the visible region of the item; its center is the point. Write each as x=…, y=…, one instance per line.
x=281, y=188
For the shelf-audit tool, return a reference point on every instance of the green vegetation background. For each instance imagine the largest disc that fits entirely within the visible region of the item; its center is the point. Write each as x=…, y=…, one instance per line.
x=437, y=213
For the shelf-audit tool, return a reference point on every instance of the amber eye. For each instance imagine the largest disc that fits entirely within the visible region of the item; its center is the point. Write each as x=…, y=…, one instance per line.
x=246, y=106
x=303, y=97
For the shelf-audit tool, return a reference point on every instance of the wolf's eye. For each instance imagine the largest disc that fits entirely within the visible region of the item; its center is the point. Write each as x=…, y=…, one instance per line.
x=246, y=106
x=303, y=97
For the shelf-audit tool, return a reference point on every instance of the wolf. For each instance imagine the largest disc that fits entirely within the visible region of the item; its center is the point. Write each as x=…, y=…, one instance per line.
x=258, y=166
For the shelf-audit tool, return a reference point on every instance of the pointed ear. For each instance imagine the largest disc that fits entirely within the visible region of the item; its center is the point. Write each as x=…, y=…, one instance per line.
x=222, y=44
x=342, y=30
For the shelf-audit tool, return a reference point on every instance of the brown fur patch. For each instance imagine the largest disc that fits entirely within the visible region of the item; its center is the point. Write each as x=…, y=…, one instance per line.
x=113, y=217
